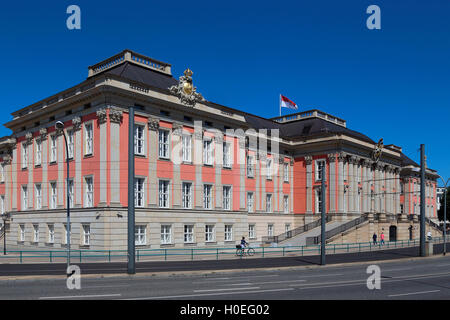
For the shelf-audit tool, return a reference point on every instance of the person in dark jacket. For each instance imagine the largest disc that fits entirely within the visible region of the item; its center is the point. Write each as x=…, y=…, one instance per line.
x=374, y=237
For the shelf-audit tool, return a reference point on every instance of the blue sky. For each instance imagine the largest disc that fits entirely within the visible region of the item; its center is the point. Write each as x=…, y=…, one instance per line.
x=391, y=83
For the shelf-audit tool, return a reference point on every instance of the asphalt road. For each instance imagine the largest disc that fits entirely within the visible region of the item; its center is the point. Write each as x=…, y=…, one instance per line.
x=203, y=265
x=425, y=278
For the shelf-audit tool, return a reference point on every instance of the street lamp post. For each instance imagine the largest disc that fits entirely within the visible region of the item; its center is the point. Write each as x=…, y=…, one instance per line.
x=60, y=126
x=4, y=217
x=445, y=213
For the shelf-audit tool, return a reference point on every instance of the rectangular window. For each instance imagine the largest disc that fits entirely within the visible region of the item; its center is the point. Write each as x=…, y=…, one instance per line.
x=251, y=231
x=226, y=197
x=269, y=169
x=35, y=233
x=89, y=139
x=24, y=155
x=228, y=232
x=227, y=155
x=163, y=145
x=286, y=204
x=38, y=159
x=163, y=194
x=319, y=165
x=139, y=192
x=268, y=203
x=287, y=227
x=188, y=233
x=2, y=173
x=270, y=230
x=70, y=143
x=86, y=234
x=51, y=233
x=166, y=234
x=207, y=196
x=210, y=233
x=187, y=195
x=21, y=232
x=139, y=141
x=2, y=204
x=250, y=202
x=286, y=172
x=64, y=240
x=24, y=198
x=89, y=192
x=250, y=173
x=186, y=148
x=53, y=148
x=53, y=195
x=140, y=237
x=318, y=201
x=207, y=152
x=38, y=196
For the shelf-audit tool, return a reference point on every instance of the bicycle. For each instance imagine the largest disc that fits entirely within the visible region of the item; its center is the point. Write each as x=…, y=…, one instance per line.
x=242, y=251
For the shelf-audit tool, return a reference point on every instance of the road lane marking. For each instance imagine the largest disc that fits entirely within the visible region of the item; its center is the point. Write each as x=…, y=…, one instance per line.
x=84, y=296
x=398, y=269
x=323, y=275
x=412, y=293
x=211, y=294
x=265, y=282
x=229, y=289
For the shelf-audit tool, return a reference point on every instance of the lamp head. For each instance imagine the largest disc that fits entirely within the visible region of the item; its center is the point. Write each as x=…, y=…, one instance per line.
x=59, y=125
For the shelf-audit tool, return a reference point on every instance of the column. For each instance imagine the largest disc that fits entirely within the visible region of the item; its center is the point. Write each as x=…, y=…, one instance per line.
x=332, y=182
x=177, y=132
x=13, y=166
x=44, y=185
x=198, y=160
x=78, y=143
x=152, y=180
x=351, y=182
x=309, y=191
x=218, y=165
x=115, y=118
x=242, y=172
x=102, y=119
x=341, y=178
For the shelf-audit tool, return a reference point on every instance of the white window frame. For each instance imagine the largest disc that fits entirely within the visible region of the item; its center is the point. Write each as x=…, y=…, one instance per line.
x=186, y=148
x=38, y=196
x=269, y=168
x=318, y=202
x=38, y=152
x=270, y=230
x=24, y=197
x=186, y=195
x=71, y=193
x=35, y=233
x=88, y=138
x=188, y=233
x=269, y=205
x=2, y=172
x=252, y=231
x=139, y=192
x=2, y=204
x=166, y=234
x=164, y=193
x=228, y=232
x=227, y=198
x=139, y=139
x=53, y=148
x=286, y=204
x=64, y=240
x=210, y=233
x=208, y=151
x=140, y=235
x=70, y=142
x=22, y=232
x=164, y=143
x=227, y=155
x=286, y=172
x=250, y=171
x=207, y=196
x=51, y=233
x=24, y=155
x=86, y=234
x=53, y=195
x=88, y=192
x=318, y=169
x=250, y=202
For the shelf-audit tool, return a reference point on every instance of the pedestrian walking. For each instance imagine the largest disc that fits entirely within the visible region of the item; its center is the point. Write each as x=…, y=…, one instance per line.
x=382, y=238
x=374, y=237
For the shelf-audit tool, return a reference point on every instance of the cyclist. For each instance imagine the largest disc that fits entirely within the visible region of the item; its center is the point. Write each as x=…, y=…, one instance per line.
x=243, y=243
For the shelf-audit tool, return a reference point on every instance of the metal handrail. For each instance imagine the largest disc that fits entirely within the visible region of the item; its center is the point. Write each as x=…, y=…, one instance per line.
x=294, y=232
x=339, y=229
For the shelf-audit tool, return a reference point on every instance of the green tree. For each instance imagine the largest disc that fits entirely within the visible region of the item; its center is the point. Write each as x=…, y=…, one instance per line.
x=441, y=209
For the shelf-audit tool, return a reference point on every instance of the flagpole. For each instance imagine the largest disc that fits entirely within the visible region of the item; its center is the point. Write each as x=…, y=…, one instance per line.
x=280, y=104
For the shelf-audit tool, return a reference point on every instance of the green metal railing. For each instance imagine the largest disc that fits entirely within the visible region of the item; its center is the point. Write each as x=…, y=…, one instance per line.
x=165, y=254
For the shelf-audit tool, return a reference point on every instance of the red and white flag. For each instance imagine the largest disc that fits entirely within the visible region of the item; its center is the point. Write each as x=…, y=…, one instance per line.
x=287, y=103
